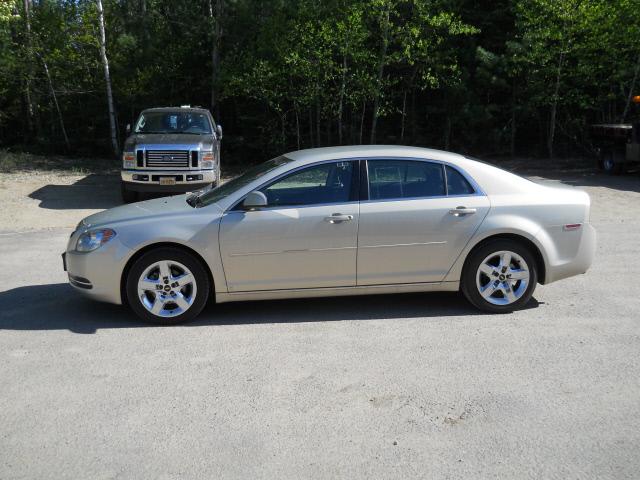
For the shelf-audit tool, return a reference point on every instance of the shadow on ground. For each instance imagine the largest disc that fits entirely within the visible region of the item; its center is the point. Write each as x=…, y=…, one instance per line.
x=59, y=307
x=629, y=182
x=95, y=191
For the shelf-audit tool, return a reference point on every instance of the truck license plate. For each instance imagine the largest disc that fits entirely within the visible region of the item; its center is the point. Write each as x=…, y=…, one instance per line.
x=167, y=181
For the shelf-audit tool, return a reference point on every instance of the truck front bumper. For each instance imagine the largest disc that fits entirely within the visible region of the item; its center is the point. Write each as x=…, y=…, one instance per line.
x=184, y=180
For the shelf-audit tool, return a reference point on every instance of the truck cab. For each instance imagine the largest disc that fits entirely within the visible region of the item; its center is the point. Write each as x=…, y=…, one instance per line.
x=171, y=150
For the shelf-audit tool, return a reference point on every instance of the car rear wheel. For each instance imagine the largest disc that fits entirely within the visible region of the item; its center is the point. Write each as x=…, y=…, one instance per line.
x=167, y=286
x=500, y=276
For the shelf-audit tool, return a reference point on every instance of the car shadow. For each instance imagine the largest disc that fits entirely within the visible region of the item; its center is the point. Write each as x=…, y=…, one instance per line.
x=95, y=191
x=59, y=307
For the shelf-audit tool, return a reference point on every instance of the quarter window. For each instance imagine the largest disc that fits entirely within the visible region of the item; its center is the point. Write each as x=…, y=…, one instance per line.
x=457, y=184
x=390, y=179
x=320, y=184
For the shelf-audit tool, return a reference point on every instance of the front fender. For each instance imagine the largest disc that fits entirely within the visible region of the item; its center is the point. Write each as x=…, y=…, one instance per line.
x=204, y=242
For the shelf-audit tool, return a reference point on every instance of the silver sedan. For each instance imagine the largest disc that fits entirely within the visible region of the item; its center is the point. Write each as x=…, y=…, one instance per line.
x=337, y=221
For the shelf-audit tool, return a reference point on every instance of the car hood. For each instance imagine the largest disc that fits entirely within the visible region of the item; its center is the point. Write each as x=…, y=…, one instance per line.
x=174, y=139
x=158, y=208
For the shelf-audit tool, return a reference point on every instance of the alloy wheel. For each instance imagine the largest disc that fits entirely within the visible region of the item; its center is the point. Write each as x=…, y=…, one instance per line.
x=167, y=288
x=502, y=277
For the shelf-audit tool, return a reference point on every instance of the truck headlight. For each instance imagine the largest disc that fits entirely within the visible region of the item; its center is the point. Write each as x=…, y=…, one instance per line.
x=128, y=160
x=89, y=241
x=207, y=160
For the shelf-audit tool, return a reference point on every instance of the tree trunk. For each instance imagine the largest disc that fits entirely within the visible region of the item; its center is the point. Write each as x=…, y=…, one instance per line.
x=512, y=143
x=404, y=112
x=311, y=126
x=362, y=120
x=215, y=52
x=319, y=139
x=27, y=87
x=382, y=61
x=55, y=101
x=554, y=107
x=297, y=125
x=107, y=79
x=631, y=89
x=341, y=102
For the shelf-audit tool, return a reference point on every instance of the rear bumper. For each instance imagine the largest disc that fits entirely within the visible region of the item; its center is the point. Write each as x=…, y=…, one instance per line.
x=580, y=262
x=186, y=180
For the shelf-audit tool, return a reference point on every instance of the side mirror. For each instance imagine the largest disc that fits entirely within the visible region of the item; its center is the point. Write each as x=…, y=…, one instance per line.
x=219, y=131
x=128, y=128
x=254, y=200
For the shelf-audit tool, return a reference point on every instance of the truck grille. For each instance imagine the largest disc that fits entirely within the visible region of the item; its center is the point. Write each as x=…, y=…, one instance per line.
x=168, y=158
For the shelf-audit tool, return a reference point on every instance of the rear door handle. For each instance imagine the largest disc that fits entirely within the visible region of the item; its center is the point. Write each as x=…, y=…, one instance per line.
x=338, y=218
x=461, y=211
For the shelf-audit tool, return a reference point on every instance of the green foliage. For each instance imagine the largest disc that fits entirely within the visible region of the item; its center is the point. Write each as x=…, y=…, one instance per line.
x=487, y=77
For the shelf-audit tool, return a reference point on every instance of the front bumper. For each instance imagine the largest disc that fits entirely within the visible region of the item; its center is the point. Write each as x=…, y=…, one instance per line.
x=97, y=274
x=185, y=180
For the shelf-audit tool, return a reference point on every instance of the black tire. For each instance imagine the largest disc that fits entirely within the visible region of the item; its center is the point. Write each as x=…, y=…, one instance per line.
x=128, y=196
x=470, y=270
x=611, y=164
x=172, y=255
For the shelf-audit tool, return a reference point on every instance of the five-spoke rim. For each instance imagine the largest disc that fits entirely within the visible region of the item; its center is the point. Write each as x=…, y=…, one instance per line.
x=167, y=288
x=502, y=277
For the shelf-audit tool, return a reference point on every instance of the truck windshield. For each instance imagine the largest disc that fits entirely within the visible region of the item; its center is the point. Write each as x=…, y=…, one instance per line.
x=173, y=122
x=218, y=193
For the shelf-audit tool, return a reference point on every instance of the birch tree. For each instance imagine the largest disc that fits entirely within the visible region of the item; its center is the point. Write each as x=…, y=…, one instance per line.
x=107, y=79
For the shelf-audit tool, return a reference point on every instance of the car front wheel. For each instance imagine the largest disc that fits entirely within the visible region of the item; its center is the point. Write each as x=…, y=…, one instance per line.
x=167, y=286
x=500, y=276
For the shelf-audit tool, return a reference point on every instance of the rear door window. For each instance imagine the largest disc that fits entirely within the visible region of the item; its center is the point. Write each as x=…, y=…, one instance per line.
x=396, y=179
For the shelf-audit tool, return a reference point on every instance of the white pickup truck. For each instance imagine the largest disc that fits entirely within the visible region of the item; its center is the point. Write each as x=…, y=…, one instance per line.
x=171, y=149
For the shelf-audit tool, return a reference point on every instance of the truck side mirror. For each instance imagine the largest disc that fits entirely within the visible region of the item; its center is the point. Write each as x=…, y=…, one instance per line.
x=254, y=200
x=219, y=131
x=128, y=128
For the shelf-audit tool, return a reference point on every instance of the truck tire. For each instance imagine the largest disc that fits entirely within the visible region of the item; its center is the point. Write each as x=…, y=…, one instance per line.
x=128, y=196
x=611, y=164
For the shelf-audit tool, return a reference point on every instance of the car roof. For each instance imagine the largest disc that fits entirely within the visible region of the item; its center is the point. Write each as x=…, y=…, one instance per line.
x=363, y=151
x=177, y=109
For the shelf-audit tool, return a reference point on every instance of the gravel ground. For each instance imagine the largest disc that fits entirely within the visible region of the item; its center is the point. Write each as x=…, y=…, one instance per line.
x=400, y=386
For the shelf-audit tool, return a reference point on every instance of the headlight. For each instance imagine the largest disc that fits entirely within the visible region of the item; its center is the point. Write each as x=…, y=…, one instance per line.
x=128, y=160
x=92, y=239
x=207, y=160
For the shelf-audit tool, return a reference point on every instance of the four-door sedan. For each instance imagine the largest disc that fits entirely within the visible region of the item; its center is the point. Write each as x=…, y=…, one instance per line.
x=337, y=221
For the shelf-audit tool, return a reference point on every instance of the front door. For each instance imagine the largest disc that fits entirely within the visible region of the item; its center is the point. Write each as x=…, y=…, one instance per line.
x=411, y=229
x=306, y=237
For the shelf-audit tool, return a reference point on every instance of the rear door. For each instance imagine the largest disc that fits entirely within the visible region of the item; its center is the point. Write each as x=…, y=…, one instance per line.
x=418, y=217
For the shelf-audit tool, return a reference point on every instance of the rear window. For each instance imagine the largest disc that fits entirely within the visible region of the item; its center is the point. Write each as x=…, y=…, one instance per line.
x=457, y=184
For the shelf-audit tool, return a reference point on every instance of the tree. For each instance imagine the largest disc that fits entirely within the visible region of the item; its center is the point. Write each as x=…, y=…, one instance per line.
x=107, y=79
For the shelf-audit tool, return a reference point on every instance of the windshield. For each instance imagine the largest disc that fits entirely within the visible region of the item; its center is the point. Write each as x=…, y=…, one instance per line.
x=173, y=122
x=218, y=193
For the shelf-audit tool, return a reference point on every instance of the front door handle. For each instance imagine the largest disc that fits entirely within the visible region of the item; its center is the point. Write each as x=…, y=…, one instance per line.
x=461, y=211
x=338, y=218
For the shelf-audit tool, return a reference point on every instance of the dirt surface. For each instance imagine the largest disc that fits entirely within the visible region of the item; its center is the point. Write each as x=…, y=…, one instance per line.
x=398, y=386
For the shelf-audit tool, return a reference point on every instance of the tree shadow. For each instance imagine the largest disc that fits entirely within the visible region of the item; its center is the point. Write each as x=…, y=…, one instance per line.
x=59, y=307
x=629, y=182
